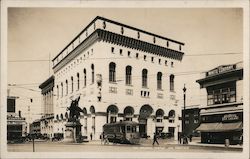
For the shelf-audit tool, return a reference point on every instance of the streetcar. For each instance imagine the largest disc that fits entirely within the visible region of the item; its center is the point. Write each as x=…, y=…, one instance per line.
x=124, y=132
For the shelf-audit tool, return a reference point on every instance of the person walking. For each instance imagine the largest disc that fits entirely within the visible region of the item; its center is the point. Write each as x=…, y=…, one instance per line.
x=155, y=139
x=91, y=136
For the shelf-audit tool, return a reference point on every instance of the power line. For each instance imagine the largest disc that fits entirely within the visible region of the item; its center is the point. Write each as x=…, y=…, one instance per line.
x=206, y=54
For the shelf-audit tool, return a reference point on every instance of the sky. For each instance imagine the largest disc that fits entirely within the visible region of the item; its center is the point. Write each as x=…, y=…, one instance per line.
x=37, y=35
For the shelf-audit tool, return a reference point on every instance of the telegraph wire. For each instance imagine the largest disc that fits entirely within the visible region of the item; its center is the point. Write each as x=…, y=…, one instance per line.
x=206, y=54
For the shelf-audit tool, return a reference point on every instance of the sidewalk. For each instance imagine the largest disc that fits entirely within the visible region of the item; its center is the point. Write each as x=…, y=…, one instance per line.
x=195, y=144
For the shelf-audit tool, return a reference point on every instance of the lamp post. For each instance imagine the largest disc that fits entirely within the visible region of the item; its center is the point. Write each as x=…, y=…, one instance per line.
x=184, y=111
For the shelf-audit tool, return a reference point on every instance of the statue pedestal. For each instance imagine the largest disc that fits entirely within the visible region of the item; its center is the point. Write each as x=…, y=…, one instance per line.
x=72, y=131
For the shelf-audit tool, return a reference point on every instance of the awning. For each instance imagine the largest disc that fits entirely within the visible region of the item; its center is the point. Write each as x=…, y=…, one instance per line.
x=220, y=127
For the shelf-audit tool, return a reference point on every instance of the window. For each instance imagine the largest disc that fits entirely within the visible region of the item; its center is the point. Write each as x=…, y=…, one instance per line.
x=144, y=77
x=166, y=62
x=85, y=77
x=137, y=55
x=128, y=53
x=172, y=64
x=112, y=72
x=152, y=59
x=221, y=94
x=159, y=61
x=78, y=81
x=62, y=90
x=159, y=80
x=180, y=47
x=171, y=82
x=167, y=44
x=93, y=73
x=57, y=88
x=72, y=84
x=120, y=51
x=112, y=49
x=145, y=57
x=128, y=75
x=67, y=89
x=128, y=129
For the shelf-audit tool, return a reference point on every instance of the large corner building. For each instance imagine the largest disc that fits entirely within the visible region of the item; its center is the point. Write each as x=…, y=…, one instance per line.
x=120, y=73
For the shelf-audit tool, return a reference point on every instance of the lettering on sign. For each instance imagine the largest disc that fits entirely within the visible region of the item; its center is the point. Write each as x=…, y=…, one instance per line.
x=230, y=117
x=221, y=69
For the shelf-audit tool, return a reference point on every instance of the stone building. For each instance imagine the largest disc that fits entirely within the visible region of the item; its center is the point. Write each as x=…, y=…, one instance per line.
x=120, y=73
x=47, y=119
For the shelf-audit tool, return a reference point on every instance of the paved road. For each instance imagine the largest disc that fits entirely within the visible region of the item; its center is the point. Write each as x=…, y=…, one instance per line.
x=95, y=146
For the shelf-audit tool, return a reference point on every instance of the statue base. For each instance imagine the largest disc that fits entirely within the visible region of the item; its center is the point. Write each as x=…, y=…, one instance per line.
x=72, y=131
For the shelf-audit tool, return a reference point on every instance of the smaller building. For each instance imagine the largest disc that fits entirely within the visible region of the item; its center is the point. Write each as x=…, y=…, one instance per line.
x=222, y=114
x=35, y=127
x=16, y=124
x=192, y=120
x=47, y=119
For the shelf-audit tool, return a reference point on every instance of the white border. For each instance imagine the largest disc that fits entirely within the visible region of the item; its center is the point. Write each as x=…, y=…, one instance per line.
x=123, y=4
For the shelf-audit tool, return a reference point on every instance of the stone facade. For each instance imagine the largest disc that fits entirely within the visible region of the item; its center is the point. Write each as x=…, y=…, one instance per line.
x=120, y=73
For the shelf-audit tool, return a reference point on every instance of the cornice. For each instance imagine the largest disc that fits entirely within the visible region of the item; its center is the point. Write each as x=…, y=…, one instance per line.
x=110, y=37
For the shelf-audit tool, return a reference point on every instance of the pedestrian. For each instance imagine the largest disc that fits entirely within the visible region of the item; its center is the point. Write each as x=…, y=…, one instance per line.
x=190, y=138
x=155, y=139
x=101, y=138
x=91, y=136
x=106, y=141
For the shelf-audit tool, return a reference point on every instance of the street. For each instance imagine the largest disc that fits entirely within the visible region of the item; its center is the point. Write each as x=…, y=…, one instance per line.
x=145, y=146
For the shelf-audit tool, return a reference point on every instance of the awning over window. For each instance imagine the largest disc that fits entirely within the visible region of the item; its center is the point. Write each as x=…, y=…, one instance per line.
x=220, y=127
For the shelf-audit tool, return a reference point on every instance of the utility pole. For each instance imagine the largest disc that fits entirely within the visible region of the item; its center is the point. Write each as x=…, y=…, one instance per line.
x=184, y=113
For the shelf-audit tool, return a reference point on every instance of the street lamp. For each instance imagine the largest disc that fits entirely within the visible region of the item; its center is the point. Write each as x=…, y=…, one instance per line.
x=184, y=111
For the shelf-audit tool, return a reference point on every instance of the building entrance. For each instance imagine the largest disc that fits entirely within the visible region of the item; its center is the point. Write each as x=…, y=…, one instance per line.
x=145, y=112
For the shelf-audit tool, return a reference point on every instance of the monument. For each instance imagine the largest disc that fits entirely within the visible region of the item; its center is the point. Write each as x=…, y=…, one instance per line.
x=73, y=125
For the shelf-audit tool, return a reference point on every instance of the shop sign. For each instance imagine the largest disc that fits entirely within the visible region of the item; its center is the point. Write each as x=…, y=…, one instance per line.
x=220, y=69
x=230, y=117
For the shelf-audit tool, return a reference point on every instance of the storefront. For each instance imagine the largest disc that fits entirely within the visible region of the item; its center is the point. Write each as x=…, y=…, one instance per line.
x=218, y=127
x=222, y=111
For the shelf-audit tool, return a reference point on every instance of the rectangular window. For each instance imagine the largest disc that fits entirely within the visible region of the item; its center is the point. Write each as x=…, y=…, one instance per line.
x=221, y=94
x=128, y=129
x=137, y=55
x=129, y=53
x=144, y=57
x=159, y=61
x=152, y=59
x=120, y=51
x=112, y=49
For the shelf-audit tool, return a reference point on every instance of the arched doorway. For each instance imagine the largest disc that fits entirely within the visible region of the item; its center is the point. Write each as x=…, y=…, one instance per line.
x=159, y=126
x=145, y=112
x=128, y=113
x=112, y=113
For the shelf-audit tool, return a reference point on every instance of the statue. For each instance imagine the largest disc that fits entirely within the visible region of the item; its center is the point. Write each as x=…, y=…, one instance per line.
x=74, y=110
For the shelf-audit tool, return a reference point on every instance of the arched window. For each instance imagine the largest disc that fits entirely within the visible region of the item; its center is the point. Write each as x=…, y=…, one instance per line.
x=128, y=75
x=112, y=66
x=171, y=82
x=72, y=84
x=78, y=81
x=67, y=87
x=93, y=73
x=62, y=89
x=159, y=80
x=85, y=77
x=144, y=78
